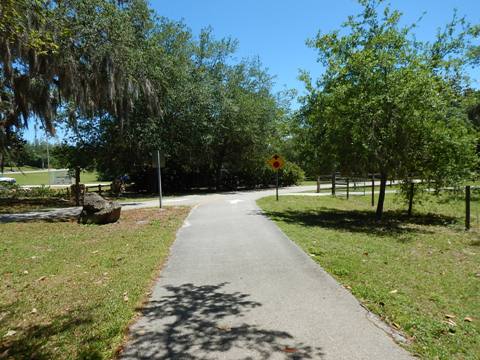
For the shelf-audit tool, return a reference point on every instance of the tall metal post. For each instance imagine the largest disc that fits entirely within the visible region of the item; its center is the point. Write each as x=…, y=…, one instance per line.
x=277, y=184
x=159, y=179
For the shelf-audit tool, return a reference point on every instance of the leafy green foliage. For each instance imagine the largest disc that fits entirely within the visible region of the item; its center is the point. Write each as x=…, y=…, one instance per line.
x=14, y=191
x=292, y=174
x=219, y=119
x=389, y=104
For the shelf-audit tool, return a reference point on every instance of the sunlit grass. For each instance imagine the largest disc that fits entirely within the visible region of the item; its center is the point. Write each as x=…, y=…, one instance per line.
x=68, y=291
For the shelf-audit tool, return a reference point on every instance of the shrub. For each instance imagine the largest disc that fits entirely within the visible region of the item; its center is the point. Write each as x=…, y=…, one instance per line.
x=14, y=191
x=291, y=174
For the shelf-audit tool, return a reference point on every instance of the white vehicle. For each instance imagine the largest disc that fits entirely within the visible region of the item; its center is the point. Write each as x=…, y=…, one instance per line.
x=7, y=180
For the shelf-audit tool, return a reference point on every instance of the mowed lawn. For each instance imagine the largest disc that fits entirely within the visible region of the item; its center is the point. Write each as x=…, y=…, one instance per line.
x=421, y=275
x=41, y=177
x=68, y=291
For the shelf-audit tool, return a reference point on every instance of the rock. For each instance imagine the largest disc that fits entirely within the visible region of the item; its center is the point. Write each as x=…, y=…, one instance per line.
x=97, y=210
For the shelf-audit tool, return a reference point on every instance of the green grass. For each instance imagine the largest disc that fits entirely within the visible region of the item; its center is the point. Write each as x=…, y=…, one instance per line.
x=68, y=291
x=41, y=178
x=308, y=182
x=413, y=272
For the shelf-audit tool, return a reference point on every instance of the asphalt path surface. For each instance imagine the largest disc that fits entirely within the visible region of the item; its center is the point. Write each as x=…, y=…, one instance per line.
x=235, y=287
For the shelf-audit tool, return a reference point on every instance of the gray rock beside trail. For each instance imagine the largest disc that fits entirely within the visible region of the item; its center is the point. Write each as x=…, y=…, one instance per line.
x=97, y=210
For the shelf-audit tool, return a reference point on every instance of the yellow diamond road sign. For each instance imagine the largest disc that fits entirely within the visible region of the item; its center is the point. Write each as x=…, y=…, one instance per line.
x=276, y=162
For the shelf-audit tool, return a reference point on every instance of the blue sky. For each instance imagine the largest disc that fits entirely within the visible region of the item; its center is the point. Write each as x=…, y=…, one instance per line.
x=276, y=30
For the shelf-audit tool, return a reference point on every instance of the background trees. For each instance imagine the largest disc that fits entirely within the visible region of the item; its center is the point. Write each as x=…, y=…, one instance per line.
x=84, y=58
x=218, y=123
x=127, y=82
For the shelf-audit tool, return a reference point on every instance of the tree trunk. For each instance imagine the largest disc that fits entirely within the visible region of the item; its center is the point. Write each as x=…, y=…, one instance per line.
x=333, y=184
x=381, y=196
x=2, y=165
x=318, y=184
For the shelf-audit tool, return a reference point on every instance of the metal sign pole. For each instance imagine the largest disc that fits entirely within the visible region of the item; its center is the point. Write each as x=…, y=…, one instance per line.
x=159, y=179
x=277, y=184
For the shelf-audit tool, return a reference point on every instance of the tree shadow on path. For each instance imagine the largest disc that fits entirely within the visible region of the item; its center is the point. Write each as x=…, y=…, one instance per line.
x=202, y=322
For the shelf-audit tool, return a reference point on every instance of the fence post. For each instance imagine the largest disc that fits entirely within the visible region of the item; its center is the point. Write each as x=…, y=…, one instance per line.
x=373, y=190
x=318, y=184
x=99, y=189
x=467, y=207
x=333, y=184
x=348, y=188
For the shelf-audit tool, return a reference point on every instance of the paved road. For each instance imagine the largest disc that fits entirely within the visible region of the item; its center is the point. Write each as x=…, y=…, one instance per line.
x=72, y=213
x=235, y=287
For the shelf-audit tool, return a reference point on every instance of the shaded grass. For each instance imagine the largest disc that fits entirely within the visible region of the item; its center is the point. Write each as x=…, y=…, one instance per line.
x=69, y=290
x=23, y=205
x=411, y=271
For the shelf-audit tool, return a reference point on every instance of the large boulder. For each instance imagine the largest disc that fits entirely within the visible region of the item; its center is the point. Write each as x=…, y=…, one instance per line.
x=97, y=210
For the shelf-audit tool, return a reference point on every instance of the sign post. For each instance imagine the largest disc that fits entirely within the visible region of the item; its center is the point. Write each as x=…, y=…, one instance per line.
x=158, y=161
x=277, y=185
x=277, y=163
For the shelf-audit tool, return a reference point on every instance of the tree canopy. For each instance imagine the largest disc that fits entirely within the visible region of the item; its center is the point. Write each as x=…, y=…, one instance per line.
x=86, y=57
x=389, y=104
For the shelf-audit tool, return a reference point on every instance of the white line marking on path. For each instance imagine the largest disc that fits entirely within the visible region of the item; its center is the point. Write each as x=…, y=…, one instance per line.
x=235, y=201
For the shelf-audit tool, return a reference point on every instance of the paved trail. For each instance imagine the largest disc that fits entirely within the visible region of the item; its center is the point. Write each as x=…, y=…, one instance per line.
x=235, y=287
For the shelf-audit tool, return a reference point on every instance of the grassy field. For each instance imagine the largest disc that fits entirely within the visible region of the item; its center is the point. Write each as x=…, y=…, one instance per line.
x=41, y=178
x=420, y=274
x=69, y=290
